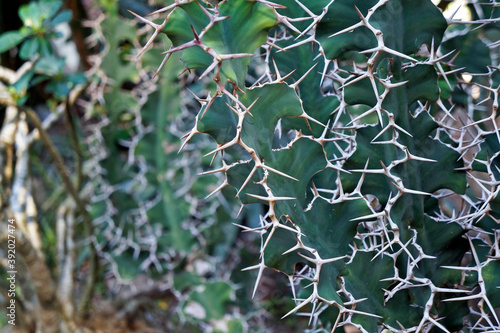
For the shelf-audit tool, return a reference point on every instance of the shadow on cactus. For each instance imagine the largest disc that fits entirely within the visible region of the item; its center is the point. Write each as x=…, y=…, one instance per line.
x=374, y=153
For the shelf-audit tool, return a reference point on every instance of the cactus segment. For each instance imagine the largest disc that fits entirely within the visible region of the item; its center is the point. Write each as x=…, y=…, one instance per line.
x=215, y=35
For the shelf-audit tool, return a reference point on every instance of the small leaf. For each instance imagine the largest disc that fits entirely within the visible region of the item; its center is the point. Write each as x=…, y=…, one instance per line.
x=77, y=78
x=49, y=8
x=30, y=14
x=62, y=17
x=22, y=84
x=29, y=48
x=45, y=49
x=49, y=66
x=10, y=39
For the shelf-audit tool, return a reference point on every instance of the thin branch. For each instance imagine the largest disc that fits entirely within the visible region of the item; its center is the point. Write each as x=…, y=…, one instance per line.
x=80, y=204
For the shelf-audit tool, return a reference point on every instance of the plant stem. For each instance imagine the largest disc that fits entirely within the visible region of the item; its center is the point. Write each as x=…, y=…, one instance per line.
x=88, y=291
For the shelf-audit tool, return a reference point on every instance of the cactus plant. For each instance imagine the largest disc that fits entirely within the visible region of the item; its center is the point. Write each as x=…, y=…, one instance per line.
x=376, y=156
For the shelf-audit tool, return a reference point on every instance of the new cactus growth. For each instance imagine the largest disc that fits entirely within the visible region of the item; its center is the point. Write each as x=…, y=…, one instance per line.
x=372, y=142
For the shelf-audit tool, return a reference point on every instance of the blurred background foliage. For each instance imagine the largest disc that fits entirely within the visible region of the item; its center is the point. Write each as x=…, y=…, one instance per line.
x=115, y=233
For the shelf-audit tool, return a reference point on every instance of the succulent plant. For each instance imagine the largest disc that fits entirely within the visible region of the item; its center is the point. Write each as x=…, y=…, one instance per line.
x=376, y=155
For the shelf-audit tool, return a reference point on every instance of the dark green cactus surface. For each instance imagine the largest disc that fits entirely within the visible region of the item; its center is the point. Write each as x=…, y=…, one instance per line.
x=369, y=129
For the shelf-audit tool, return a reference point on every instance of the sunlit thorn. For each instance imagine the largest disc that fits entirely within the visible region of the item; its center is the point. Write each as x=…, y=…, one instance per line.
x=209, y=69
x=445, y=56
x=271, y=4
x=359, y=13
x=189, y=137
x=257, y=281
x=325, y=70
x=362, y=178
x=207, y=13
x=308, y=117
x=454, y=71
x=446, y=111
x=221, y=18
x=210, y=102
x=288, y=75
x=148, y=22
x=312, y=312
x=453, y=14
x=290, y=280
x=302, y=42
x=209, y=172
x=391, y=85
x=259, y=275
x=295, y=247
x=198, y=99
x=244, y=227
x=240, y=210
x=164, y=9
x=213, y=158
x=276, y=70
x=246, y=180
x=251, y=106
x=440, y=67
x=366, y=217
x=180, y=47
x=221, y=186
x=454, y=57
x=307, y=10
x=273, y=229
x=278, y=172
x=301, y=305
x=432, y=49
x=149, y=42
x=270, y=199
x=294, y=85
x=336, y=324
x=164, y=61
x=232, y=109
x=315, y=190
x=276, y=46
x=357, y=25
x=313, y=260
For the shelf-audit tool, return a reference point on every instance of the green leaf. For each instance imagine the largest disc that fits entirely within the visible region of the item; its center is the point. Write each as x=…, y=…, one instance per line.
x=29, y=48
x=10, y=39
x=63, y=17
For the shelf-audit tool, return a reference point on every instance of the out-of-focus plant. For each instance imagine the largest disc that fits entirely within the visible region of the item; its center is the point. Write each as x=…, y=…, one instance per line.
x=42, y=295
x=39, y=20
